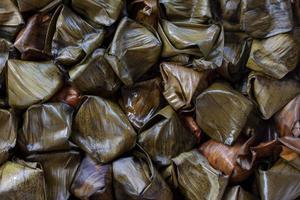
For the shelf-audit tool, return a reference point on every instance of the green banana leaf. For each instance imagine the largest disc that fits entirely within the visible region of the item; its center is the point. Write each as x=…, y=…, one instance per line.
x=74, y=38
x=29, y=83
x=34, y=5
x=271, y=94
x=204, y=42
x=59, y=170
x=141, y=101
x=46, y=127
x=237, y=47
x=279, y=182
x=10, y=20
x=22, y=180
x=237, y=193
x=266, y=18
x=99, y=12
x=102, y=130
x=275, y=56
x=222, y=112
x=93, y=181
x=196, y=11
x=164, y=137
x=133, y=51
x=195, y=178
x=94, y=75
x=8, y=133
x=182, y=84
x=135, y=178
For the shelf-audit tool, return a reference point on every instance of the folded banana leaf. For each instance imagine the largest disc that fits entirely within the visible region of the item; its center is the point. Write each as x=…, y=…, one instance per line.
x=34, y=5
x=10, y=19
x=102, y=129
x=4, y=53
x=8, y=133
x=279, y=182
x=59, y=171
x=237, y=193
x=22, y=180
x=196, y=11
x=229, y=11
x=141, y=101
x=31, y=82
x=133, y=51
x=271, y=94
x=31, y=40
x=164, y=137
x=222, y=112
x=195, y=178
x=192, y=126
x=287, y=120
x=266, y=18
x=275, y=56
x=144, y=11
x=74, y=38
x=93, y=181
x=94, y=75
x=204, y=42
x=46, y=127
x=135, y=178
x=290, y=157
x=182, y=84
x=291, y=142
x=99, y=12
x=236, y=51
x=69, y=95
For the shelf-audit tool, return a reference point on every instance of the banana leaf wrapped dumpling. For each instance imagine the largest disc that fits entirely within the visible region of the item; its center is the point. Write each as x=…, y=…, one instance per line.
x=22, y=180
x=29, y=82
x=195, y=178
x=34, y=5
x=93, y=181
x=275, y=56
x=136, y=178
x=229, y=11
x=102, y=130
x=133, y=51
x=46, y=127
x=94, y=75
x=222, y=112
x=165, y=137
x=74, y=38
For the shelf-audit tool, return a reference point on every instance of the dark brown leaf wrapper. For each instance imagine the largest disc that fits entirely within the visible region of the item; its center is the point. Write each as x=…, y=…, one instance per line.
x=69, y=95
x=237, y=193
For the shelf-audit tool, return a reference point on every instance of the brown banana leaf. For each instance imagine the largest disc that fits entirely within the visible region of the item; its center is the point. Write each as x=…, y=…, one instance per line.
x=94, y=75
x=271, y=94
x=182, y=84
x=229, y=11
x=102, y=129
x=74, y=38
x=69, y=95
x=192, y=126
x=99, y=12
x=144, y=11
x=204, y=42
x=4, y=53
x=164, y=137
x=222, y=112
x=296, y=11
x=279, y=182
x=275, y=56
x=93, y=181
x=10, y=20
x=22, y=180
x=34, y=5
x=287, y=120
x=195, y=178
x=196, y=11
x=236, y=52
x=8, y=133
x=141, y=101
x=133, y=51
x=237, y=193
x=265, y=18
x=291, y=142
x=31, y=82
x=291, y=157
x=135, y=178
x=46, y=127
x=31, y=40
x=59, y=171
